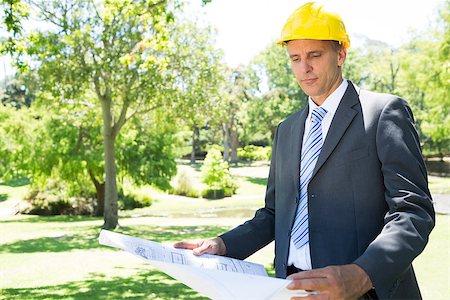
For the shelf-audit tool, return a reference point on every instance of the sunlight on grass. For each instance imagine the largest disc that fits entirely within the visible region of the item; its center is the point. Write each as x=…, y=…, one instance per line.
x=439, y=185
x=11, y=193
x=433, y=265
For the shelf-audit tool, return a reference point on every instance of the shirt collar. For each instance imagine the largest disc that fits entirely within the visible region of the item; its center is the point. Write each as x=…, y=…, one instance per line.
x=332, y=102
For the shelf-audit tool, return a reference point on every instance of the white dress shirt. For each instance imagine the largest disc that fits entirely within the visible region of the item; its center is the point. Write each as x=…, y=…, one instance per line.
x=301, y=258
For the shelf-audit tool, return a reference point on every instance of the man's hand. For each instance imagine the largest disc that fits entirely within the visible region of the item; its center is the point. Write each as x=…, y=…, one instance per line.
x=212, y=246
x=334, y=282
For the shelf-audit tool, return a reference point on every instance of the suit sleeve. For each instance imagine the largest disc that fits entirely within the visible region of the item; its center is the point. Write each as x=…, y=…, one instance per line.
x=256, y=233
x=410, y=217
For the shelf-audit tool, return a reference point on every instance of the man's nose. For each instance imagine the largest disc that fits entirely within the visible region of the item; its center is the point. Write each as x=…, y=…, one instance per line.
x=305, y=66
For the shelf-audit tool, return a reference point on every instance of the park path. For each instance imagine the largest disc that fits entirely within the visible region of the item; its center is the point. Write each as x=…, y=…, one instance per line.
x=441, y=203
x=9, y=207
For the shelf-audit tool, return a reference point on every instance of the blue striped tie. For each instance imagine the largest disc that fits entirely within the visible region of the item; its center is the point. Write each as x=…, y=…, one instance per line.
x=310, y=152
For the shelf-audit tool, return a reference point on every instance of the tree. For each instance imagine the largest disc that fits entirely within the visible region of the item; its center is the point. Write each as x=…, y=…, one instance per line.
x=235, y=97
x=17, y=138
x=281, y=95
x=413, y=72
x=198, y=64
x=19, y=91
x=426, y=82
x=121, y=53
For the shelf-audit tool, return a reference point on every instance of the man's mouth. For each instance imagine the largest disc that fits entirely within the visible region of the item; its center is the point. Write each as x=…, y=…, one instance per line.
x=309, y=80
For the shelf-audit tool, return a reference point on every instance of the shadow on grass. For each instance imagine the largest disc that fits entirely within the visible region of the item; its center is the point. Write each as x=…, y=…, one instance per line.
x=3, y=197
x=196, y=166
x=256, y=180
x=87, y=238
x=246, y=164
x=143, y=285
x=49, y=219
x=16, y=182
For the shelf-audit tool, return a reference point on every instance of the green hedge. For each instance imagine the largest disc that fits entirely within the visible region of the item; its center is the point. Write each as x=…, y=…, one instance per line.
x=254, y=153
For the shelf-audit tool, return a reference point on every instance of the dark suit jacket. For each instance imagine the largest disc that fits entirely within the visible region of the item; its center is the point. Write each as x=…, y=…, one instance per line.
x=369, y=202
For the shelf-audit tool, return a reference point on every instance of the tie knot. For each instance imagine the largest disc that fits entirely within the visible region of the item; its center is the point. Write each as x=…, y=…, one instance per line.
x=318, y=114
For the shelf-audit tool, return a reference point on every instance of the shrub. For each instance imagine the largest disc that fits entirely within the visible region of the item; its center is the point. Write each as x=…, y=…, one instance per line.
x=48, y=203
x=44, y=204
x=230, y=189
x=216, y=175
x=184, y=186
x=254, y=153
x=132, y=201
x=82, y=206
x=213, y=194
x=52, y=198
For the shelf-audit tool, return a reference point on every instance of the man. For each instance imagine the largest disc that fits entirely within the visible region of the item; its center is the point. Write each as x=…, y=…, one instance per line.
x=347, y=200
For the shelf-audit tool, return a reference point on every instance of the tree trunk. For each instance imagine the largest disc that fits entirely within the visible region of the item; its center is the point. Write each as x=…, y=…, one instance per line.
x=234, y=141
x=111, y=217
x=100, y=209
x=226, y=144
x=195, y=134
x=100, y=194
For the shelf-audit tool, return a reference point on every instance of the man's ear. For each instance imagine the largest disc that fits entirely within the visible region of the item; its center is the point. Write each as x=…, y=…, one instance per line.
x=342, y=55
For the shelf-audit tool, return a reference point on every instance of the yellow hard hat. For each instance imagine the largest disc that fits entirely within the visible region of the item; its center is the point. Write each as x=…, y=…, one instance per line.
x=312, y=21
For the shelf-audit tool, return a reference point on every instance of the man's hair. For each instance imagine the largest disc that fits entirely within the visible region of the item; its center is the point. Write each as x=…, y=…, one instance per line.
x=337, y=46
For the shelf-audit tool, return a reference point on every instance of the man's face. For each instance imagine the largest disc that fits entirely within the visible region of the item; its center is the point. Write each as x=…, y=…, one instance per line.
x=316, y=66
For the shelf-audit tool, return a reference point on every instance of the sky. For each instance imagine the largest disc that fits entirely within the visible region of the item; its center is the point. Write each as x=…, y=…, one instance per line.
x=246, y=27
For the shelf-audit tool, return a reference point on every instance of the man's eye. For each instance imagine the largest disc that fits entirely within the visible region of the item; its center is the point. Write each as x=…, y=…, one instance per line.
x=295, y=59
x=316, y=55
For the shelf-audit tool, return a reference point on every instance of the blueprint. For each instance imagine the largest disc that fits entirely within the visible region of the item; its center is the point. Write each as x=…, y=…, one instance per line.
x=216, y=277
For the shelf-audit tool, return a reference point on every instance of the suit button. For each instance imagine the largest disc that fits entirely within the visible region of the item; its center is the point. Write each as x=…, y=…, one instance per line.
x=313, y=196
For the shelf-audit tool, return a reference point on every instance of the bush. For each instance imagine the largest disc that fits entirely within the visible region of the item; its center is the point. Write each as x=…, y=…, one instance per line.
x=184, y=186
x=46, y=203
x=254, y=153
x=230, y=189
x=132, y=201
x=82, y=206
x=213, y=194
x=52, y=198
x=216, y=175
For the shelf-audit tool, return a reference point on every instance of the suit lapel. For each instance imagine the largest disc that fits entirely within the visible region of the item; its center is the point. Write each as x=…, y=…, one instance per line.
x=297, y=131
x=341, y=120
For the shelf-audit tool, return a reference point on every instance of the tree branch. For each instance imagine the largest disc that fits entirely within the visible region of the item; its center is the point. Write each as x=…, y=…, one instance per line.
x=53, y=17
x=92, y=176
x=139, y=112
x=96, y=11
x=157, y=4
x=126, y=103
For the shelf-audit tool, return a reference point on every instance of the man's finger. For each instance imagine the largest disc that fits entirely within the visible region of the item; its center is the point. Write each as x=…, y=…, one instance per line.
x=313, y=284
x=186, y=245
x=316, y=273
x=203, y=248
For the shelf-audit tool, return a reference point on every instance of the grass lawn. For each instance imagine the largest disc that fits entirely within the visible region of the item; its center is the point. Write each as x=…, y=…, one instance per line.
x=59, y=257
x=433, y=265
x=439, y=185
